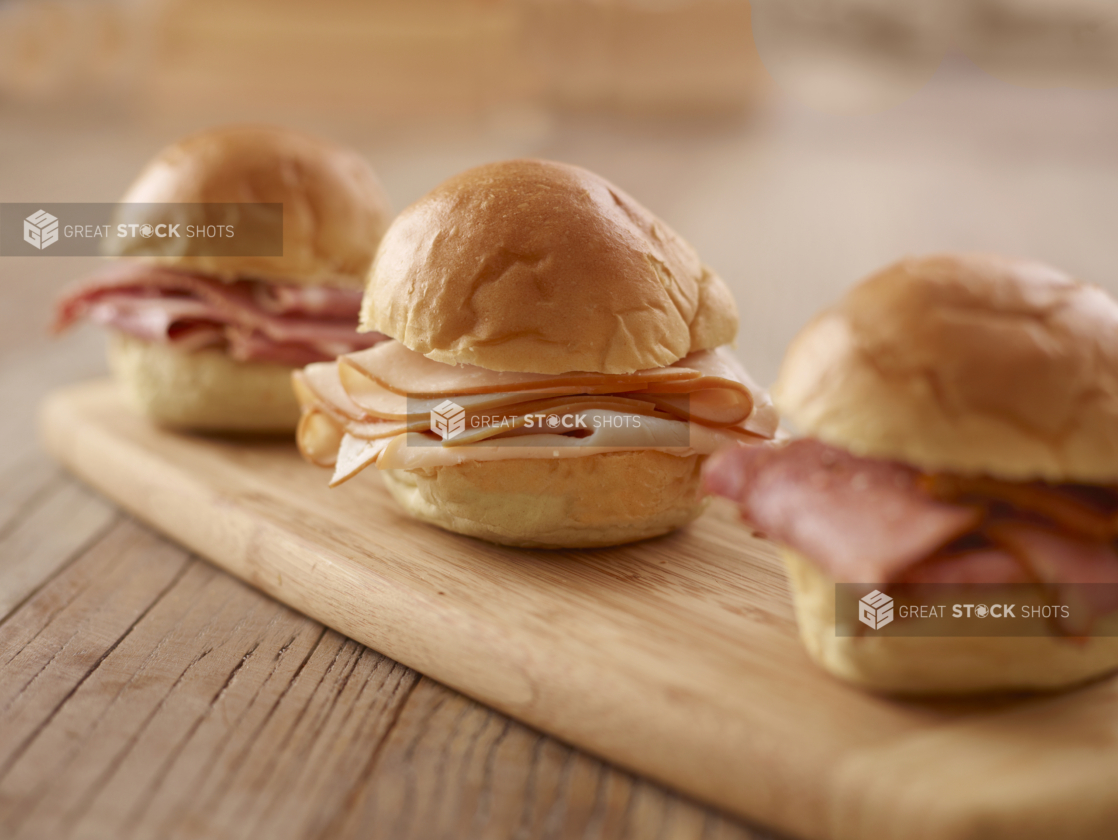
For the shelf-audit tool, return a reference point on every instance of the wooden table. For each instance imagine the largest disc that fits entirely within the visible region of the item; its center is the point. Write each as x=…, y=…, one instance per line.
x=145, y=694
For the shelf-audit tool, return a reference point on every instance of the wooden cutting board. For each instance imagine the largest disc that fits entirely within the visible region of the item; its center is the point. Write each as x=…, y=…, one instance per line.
x=676, y=657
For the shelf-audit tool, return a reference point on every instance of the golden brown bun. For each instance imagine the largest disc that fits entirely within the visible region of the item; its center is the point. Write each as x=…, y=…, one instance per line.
x=334, y=210
x=543, y=267
x=596, y=500
x=967, y=364
x=940, y=664
x=205, y=390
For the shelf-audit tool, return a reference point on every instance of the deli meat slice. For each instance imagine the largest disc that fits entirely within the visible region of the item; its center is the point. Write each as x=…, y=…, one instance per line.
x=1087, y=510
x=257, y=321
x=861, y=520
x=1057, y=559
x=985, y=565
x=708, y=386
x=315, y=301
x=398, y=368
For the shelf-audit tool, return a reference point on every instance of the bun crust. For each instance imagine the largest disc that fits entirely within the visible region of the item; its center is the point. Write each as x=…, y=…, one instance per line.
x=597, y=500
x=939, y=665
x=967, y=364
x=334, y=210
x=203, y=391
x=543, y=267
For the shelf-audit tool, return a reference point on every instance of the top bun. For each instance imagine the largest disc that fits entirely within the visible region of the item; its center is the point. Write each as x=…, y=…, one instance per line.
x=965, y=364
x=334, y=210
x=543, y=267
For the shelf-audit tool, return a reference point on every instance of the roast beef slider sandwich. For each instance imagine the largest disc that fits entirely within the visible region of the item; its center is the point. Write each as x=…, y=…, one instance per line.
x=961, y=422
x=209, y=342
x=577, y=342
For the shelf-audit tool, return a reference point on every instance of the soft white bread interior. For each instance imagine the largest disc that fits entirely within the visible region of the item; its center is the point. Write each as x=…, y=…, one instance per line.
x=966, y=364
x=204, y=390
x=334, y=210
x=942, y=664
x=597, y=500
x=536, y=266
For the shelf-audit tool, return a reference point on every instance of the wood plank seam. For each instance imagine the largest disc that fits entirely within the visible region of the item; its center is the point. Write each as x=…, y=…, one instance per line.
x=86, y=546
x=354, y=793
x=6, y=767
x=83, y=804
x=407, y=808
x=246, y=750
x=134, y=737
x=233, y=768
x=319, y=718
x=133, y=819
x=409, y=751
x=45, y=665
x=355, y=653
x=369, y=723
x=22, y=510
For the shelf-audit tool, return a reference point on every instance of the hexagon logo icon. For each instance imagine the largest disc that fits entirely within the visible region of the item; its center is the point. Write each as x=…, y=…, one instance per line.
x=875, y=610
x=448, y=419
x=40, y=229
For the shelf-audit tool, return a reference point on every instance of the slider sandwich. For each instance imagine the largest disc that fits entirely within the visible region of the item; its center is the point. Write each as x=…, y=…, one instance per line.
x=557, y=370
x=209, y=342
x=960, y=416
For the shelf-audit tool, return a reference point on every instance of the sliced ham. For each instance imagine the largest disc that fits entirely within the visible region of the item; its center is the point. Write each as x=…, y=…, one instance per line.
x=245, y=345
x=984, y=565
x=862, y=521
x=315, y=301
x=1063, y=562
x=1082, y=509
x=258, y=321
x=879, y=522
x=145, y=316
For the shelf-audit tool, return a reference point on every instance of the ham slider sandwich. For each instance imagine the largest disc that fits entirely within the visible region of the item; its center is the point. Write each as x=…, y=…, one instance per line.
x=961, y=415
x=557, y=370
x=209, y=342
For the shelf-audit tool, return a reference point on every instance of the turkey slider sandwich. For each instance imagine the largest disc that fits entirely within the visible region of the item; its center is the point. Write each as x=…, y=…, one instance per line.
x=961, y=415
x=557, y=371
x=209, y=342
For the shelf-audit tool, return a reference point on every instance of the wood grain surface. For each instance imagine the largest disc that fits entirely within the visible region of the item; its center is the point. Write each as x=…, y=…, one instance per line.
x=676, y=657
x=144, y=693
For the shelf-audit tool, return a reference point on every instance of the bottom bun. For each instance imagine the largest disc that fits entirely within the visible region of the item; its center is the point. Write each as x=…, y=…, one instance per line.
x=204, y=390
x=941, y=664
x=583, y=502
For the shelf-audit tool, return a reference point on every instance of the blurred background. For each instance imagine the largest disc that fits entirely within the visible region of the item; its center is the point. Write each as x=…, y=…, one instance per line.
x=798, y=144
